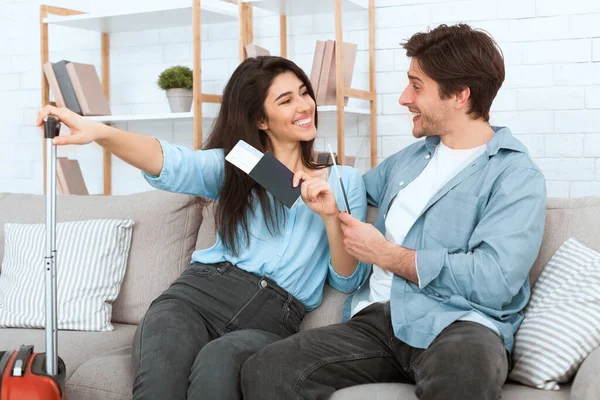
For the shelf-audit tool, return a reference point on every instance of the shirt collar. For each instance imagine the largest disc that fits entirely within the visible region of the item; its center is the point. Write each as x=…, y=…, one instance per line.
x=502, y=139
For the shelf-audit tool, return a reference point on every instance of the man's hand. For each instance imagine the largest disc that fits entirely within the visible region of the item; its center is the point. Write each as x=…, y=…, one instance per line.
x=365, y=243
x=362, y=241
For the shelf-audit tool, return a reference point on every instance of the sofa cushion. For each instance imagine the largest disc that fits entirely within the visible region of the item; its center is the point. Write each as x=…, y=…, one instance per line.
x=166, y=229
x=565, y=218
x=207, y=233
x=106, y=376
x=92, y=256
x=113, y=379
x=75, y=348
x=586, y=384
x=329, y=312
x=562, y=319
x=402, y=391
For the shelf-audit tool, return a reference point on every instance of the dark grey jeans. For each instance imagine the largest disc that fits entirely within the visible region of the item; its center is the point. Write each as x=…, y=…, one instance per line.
x=467, y=361
x=196, y=336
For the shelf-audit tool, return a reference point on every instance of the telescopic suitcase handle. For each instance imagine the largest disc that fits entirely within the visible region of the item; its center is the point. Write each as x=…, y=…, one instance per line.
x=51, y=126
x=51, y=130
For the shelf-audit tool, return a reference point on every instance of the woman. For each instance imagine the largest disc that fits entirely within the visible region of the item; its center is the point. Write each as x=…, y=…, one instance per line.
x=269, y=263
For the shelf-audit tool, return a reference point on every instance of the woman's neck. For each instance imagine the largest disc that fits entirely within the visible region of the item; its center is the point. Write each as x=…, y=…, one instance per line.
x=289, y=154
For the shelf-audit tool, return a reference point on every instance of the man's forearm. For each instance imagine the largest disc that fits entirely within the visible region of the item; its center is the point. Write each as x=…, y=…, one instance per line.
x=399, y=260
x=342, y=262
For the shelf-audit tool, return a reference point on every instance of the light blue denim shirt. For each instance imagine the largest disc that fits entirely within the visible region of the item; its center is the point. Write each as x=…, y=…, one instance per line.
x=298, y=258
x=476, y=239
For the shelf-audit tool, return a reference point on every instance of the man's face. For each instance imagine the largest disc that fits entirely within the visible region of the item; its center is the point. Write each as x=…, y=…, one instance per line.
x=430, y=113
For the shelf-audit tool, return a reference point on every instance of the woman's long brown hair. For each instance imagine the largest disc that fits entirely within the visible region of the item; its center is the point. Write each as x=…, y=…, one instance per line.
x=241, y=110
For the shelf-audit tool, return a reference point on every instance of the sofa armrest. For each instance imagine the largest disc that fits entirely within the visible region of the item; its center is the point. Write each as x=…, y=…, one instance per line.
x=586, y=385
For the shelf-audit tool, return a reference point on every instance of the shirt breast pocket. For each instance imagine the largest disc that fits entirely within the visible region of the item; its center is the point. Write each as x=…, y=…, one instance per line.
x=451, y=220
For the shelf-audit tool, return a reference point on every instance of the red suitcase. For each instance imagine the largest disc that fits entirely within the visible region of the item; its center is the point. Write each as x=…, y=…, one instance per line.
x=25, y=375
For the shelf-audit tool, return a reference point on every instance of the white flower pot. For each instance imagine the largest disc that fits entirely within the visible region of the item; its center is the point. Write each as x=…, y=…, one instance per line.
x=180, y=100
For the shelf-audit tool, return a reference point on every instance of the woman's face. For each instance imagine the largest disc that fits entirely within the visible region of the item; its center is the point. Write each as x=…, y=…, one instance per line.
x=290, y=110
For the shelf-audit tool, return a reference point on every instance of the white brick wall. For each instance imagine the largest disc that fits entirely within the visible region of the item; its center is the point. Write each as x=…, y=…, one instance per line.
x=550, y=99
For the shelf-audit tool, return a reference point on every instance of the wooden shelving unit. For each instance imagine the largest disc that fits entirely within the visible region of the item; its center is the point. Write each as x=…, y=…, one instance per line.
x=197, y=13
x=285, y=8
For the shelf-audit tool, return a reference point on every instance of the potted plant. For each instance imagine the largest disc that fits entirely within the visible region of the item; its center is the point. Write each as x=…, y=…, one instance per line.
x=177, y=81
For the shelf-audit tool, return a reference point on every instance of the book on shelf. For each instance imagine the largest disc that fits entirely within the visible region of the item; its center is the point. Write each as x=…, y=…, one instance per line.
x=77, y=86
x=66, y=87
x=53, y=84
x=348, y=61
x=88, y=89
x=69, y=177
x=253, y=50
x=328, y=56
x=315, y=72
x=324, y=158
x=326, y=87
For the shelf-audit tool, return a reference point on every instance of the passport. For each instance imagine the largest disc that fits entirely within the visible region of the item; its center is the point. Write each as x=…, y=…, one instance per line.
x=267, y=171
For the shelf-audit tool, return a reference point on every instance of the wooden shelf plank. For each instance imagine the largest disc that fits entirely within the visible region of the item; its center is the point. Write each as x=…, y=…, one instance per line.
x=190, y=115
x=142, y=117
x=347, y=110
x=305, y=7
x=213, y=11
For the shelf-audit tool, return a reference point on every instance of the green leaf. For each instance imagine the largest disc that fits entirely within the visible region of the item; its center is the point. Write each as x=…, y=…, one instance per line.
x=176, y=77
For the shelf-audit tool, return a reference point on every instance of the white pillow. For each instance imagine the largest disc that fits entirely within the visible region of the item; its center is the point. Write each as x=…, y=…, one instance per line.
x=562, y=320
x=90, y=265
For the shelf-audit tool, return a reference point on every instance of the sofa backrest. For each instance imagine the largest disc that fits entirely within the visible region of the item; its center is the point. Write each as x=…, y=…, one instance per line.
x=168, y=227
x=165, y=232
x=566, y=218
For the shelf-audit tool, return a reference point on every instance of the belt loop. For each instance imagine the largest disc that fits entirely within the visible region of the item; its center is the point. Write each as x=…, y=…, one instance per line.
x=288, y=301
x=223, y=267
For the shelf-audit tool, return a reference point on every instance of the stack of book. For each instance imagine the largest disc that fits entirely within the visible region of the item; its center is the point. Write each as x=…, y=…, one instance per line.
x=323, y=75
x=77, y=87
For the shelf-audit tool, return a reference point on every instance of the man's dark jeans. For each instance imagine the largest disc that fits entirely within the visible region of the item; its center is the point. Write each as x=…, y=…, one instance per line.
x=467, y=361
x=196, y=336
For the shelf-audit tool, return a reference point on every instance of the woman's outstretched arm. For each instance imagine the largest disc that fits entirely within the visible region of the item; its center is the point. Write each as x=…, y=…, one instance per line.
x=142, y=152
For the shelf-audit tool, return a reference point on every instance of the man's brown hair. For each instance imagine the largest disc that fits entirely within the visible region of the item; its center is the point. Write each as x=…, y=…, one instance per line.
x=457, y=57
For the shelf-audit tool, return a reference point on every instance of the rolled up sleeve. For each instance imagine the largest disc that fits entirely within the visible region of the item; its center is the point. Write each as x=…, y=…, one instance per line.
x=346, y=284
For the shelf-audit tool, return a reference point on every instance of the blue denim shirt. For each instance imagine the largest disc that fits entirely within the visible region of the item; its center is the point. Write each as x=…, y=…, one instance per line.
x=476, y=239
x=298, y=258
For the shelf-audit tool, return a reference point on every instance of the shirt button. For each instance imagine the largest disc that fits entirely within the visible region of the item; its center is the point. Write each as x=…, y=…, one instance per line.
x=263, y=283
x=437, y=294
x=402, y=183
x=428, y=156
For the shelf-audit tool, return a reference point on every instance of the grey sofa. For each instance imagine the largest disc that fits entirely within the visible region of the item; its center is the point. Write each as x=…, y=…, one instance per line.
x=169, y=227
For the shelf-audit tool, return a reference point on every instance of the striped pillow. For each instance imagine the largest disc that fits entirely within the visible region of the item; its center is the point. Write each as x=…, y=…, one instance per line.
x=562, y=320
x=90, y=263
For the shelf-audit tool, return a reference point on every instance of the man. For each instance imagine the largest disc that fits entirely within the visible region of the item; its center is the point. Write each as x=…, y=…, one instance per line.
x=445, y=269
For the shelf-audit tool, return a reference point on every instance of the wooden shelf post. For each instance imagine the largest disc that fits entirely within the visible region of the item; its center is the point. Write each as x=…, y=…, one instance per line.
x=197, y=73
x=246, y=28
x=107, y=164
x=372, y=83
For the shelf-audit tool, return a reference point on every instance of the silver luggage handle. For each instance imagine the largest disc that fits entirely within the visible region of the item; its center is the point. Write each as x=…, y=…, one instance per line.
x=51, y=130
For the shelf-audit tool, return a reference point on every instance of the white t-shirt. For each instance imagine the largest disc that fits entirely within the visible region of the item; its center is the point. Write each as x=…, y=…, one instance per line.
x=445, y=164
